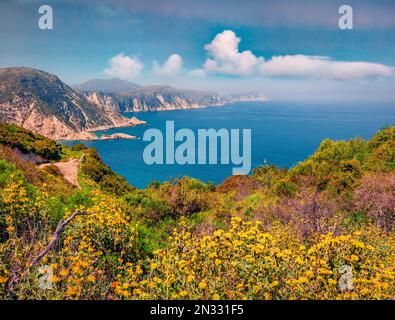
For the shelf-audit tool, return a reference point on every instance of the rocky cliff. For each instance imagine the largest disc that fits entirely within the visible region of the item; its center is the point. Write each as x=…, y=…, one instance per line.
x=41, y=102
x=154, y=98
x=130, y=97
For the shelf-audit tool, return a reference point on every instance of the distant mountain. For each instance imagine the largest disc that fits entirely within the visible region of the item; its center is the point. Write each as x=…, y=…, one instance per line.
x=114, y=85
x=131, y=97
x=154, y=98
x=40, y=102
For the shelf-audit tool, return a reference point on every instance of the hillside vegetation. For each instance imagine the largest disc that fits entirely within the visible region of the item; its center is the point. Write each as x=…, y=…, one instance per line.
x=276, y=234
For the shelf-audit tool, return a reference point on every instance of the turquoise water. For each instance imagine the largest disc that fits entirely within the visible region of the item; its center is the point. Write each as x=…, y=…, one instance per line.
x=282, y=134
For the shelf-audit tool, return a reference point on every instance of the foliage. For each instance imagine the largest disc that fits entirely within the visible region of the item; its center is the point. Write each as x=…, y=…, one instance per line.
x=277, y=234
x=247, y=263
x=94, y=168
x=29, y=142
x=376, y=197
x=78, y=147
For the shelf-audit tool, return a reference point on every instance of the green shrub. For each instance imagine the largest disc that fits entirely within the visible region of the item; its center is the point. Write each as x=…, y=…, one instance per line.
x=94, y=168
x=78, y=147
x=27, y=141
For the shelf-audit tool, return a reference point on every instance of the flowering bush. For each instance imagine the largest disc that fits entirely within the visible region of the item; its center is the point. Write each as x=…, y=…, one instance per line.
x=247, y=263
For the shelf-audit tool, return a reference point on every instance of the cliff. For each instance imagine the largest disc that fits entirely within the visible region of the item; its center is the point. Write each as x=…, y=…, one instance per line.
x=130, y=97
x=154, y=98
x=41, y=102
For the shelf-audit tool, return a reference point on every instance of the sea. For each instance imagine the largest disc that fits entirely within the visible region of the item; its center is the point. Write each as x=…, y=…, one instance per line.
x=281, y=133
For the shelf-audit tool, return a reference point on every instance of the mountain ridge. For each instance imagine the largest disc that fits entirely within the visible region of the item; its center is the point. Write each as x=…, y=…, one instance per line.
x=157, y=97
x=41, y=102
x=114, y=85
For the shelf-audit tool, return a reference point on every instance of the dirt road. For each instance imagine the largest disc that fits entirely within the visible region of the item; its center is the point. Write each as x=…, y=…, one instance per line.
x=69, y=170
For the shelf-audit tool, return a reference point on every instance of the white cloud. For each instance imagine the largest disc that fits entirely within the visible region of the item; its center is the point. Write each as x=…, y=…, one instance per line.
x=197, y=73
x=124, y=67
x=226, y=58
x=321, y=67
x=172, y=67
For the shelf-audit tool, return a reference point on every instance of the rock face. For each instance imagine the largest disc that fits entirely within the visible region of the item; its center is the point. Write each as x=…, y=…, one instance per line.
x=154, y=98
x=115, y=136
x=130, y=97
x=40, y=102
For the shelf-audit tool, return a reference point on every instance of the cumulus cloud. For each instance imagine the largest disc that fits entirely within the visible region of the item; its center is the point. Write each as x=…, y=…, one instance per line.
x=321, y=67
x=225, y=58
x=124, y=67
x=172, y=67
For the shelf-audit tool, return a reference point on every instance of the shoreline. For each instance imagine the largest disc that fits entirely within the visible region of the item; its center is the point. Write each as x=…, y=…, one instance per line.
x=219, y=105
x=91, y=134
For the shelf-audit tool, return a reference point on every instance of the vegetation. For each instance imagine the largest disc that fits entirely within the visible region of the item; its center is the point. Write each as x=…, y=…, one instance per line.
x=28, y=142
x=94, y=169
x=277, y=234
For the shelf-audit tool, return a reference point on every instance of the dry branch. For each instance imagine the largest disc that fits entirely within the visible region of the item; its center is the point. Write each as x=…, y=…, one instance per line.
x=62, y=224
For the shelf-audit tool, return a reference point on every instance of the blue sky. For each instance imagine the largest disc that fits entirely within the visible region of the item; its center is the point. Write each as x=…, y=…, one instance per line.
x=285, y=49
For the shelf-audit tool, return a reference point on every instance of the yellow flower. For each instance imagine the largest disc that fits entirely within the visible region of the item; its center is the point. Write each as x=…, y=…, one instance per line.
x=299, y=260
x=3, y=280
x=202, y=285
x=63, y=272
x=136, y=291
x=72, y=291
x=154, y=265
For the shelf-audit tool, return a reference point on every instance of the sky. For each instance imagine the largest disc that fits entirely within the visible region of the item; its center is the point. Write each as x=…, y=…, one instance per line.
x=288, y=50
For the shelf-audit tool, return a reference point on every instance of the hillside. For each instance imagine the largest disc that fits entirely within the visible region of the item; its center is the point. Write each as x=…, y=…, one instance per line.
x=107, y=86
x=40, y=102
x=155, y=98
x=276, y=234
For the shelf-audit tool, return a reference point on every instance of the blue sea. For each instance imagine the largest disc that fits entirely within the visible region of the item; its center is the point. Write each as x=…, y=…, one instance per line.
x=282, y=134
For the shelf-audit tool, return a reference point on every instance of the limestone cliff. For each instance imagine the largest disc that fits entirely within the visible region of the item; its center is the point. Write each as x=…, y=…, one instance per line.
x=154, y=98
x=125, y=96
x=40, y=102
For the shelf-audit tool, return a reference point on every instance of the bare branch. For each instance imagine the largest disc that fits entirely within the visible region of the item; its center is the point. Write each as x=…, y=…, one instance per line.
x=62, y=224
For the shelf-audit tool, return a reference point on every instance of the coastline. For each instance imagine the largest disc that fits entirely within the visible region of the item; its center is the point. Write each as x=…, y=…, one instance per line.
x=90, y=134
x=194, y=106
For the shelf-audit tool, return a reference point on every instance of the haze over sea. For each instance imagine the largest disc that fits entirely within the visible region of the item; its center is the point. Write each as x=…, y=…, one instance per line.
x=282, y=134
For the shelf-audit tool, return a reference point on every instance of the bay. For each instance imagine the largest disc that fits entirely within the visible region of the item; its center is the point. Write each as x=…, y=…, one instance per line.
x=282, y=134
